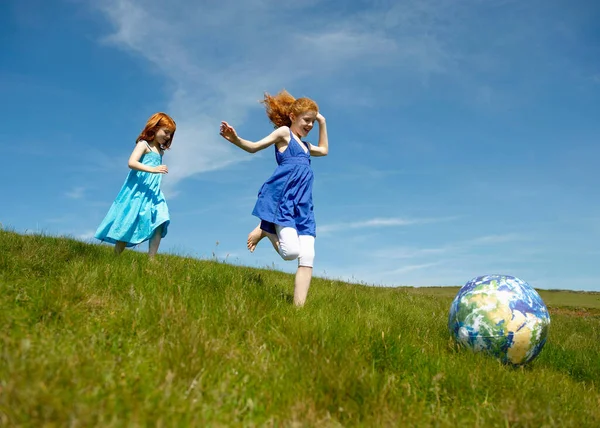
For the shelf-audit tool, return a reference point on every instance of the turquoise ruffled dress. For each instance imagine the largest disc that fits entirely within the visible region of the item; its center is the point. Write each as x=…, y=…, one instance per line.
x=139, y=208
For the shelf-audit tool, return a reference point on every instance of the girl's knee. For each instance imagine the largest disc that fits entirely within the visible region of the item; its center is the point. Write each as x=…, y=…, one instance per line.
x=289, y=253
x=289, y=244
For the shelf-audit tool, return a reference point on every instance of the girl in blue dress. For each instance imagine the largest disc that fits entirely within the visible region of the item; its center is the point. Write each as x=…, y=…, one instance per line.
x=139, y=212
x=284, y=204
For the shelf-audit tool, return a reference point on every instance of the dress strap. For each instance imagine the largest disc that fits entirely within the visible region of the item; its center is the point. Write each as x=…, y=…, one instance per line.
x=148, y=146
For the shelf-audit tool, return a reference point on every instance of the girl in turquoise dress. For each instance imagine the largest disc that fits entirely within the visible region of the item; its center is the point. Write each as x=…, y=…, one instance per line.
x=139, y=212
x=284, y=205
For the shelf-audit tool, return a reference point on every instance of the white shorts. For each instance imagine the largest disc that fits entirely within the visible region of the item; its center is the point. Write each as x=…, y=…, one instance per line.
x=293, y=246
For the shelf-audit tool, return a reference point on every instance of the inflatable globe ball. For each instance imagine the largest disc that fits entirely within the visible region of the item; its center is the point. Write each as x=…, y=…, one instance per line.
x=500, y=315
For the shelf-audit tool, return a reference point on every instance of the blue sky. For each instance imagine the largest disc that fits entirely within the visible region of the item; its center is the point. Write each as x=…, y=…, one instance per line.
x=463, y=134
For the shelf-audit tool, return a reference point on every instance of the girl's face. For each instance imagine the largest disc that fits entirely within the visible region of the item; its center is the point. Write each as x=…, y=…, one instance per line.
x=303, y=123
x=163, y=135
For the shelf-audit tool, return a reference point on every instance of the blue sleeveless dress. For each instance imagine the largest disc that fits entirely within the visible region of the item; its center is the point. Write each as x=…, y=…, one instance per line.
x=286, y=197
x=139, y=208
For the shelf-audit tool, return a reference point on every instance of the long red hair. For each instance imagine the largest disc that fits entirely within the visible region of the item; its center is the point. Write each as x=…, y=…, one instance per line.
x=156, y=121
x=280, y=106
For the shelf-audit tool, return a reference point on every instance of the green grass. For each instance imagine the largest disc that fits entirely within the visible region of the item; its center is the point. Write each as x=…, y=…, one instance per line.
x=90, y=339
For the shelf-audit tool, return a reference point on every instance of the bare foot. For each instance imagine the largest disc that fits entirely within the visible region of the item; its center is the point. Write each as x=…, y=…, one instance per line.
x=257, y=234
x=254, y=238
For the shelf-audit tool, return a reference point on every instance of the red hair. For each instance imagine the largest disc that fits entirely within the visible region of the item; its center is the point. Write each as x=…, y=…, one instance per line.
x=156, y=121
x=280, y=106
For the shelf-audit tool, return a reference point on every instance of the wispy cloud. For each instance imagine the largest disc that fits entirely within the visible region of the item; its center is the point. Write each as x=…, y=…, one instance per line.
x=410, y=268
x=453, y=249
x=66, y=218
x=345, y=44
x=451, y=263
x=76, y=193
x=395, y=253
x=380, y=222
x=361, y=172
x=86, y=236
x=497, y=239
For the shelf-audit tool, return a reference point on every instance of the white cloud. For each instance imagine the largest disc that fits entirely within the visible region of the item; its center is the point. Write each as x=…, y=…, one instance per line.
x=379, y=222
x=409, y=253
x=86, y=236
x=455, y=249
x=346, y=44
x=410, y=268
x=497, y=239
x=76, y=193
x=454, y=262
x=66, y=218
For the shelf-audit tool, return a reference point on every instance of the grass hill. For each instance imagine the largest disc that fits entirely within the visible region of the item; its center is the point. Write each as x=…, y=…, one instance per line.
x=91, y=339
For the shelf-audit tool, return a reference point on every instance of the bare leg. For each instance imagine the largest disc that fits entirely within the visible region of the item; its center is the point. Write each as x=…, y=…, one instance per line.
x=120, y=246
x=257, y=234
x=154, y=242
x=302, y=283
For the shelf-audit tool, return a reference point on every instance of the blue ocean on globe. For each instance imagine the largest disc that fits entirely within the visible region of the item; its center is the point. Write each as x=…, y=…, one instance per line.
x=500, y=315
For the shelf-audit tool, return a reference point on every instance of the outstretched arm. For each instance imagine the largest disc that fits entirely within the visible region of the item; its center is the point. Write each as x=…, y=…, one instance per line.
x=323, y=148
x=230, y=135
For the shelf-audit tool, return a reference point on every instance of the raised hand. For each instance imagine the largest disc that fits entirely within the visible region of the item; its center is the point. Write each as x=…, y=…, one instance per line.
x=228, y=133
x=320, y=118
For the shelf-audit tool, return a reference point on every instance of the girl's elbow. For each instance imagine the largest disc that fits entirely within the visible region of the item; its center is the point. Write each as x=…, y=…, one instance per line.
x=134, y=165
x=255, y=148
